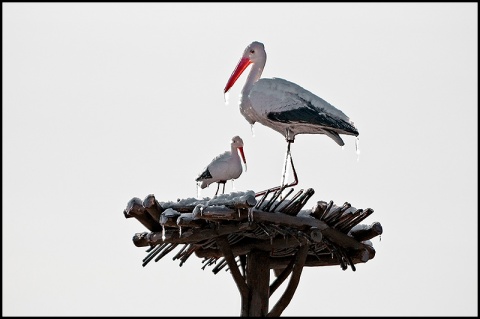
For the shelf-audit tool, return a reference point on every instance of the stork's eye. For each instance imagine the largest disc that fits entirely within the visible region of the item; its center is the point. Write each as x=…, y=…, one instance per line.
x=252, y=51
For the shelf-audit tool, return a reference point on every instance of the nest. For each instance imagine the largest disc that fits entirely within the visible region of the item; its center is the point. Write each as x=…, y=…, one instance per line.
x=267, y=221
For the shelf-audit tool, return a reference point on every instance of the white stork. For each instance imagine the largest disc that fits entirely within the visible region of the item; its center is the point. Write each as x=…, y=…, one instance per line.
x=285, y=106
x=224, y=167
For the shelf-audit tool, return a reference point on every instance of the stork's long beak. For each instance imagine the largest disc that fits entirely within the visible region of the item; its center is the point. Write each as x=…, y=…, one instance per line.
x=241, y=66
x=243, y=157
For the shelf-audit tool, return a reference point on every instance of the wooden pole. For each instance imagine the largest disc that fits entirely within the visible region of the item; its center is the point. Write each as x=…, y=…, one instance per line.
x=258, y=281
x=287, y=296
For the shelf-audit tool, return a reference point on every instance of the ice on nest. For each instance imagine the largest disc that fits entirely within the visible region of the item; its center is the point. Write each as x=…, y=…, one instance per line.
x=191, y=201
x=170, y=212
x=221, y=199
x=305, y=213
x=359, y=227
x=368, y=242
x=218, y=199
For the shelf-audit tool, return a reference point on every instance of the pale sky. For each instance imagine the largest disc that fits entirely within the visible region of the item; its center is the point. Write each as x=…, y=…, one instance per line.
x=103, y=102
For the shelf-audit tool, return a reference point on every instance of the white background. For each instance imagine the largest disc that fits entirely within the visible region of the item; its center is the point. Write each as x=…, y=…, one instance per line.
x=110, y=101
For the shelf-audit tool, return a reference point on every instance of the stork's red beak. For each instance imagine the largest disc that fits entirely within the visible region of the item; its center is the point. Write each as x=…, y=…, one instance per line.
x=243, y=157
x=241, y=66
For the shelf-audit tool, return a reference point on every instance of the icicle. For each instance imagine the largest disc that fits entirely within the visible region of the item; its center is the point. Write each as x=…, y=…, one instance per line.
x=180, y=231
x=357, y=147
x=253, y=131
x=285, y=169
x=233, y=185
x=380, y=238
x=163, y=232
x=226, y=98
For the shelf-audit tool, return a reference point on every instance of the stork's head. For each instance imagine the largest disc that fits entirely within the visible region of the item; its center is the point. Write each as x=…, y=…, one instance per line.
x=254, y=53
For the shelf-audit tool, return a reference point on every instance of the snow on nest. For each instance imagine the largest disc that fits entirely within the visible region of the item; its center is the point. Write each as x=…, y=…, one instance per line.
x=207, y=201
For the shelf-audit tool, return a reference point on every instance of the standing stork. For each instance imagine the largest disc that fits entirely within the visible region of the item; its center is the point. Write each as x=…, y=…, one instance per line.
x=285, y=106
x=224, y=167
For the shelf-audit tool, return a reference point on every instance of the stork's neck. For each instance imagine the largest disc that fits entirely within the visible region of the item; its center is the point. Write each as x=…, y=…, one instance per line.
x=253, y=76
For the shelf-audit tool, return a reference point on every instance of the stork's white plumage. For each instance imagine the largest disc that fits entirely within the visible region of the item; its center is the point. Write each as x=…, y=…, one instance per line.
x=224, y=167
x=285, y=106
